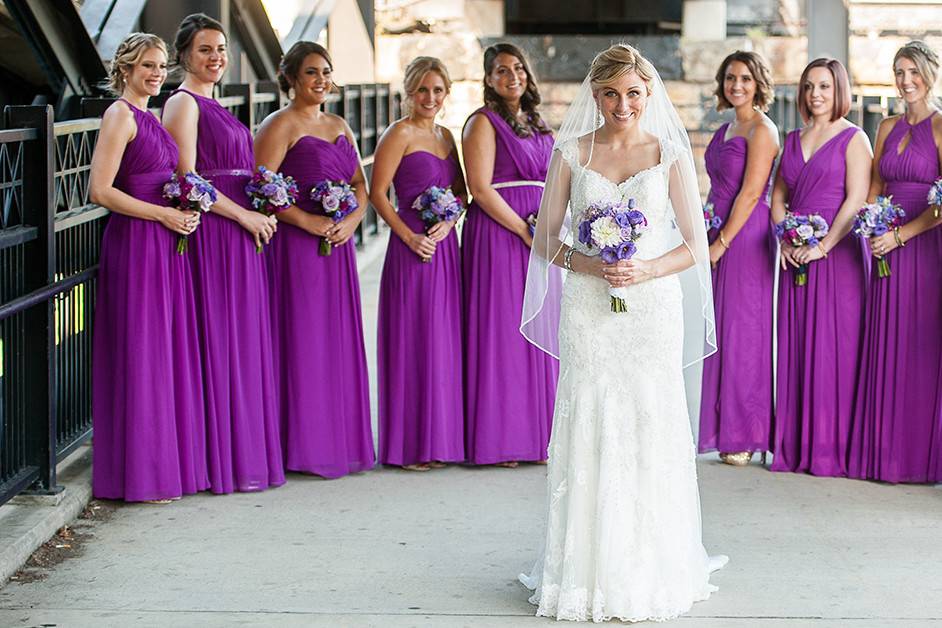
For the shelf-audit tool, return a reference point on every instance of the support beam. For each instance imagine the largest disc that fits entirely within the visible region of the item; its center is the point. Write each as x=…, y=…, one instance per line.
x=828, y=31
x=704, y=20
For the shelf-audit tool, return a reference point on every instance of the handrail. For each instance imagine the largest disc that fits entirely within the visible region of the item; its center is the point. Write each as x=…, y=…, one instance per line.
x=10, y=308
x=8, y=136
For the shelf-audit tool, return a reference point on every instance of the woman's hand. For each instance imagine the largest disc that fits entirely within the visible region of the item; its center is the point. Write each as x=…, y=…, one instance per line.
x=318, y=225
x=628, y=272
x=180, y=222
x=787, y=256
x=261, y=227
x=422, y=245
x=806, y=254
x=717, y=250
x=881, y=245
x=440, y=230
x=341, y=232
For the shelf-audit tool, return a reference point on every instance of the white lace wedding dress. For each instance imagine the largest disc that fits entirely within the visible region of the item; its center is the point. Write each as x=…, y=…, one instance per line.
x=623, y=531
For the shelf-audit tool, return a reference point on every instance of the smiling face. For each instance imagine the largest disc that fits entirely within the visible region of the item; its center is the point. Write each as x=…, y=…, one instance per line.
x=739, y=86
x=314, y=80
x=147, y=76
x=910, y=83
x=508, y=77
x=622, y=102
x=819, y=92
x=207, y=58
x=429, y=96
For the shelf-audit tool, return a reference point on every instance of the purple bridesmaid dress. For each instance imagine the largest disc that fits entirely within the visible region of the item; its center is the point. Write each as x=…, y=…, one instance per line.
x=421, y=416
x=819, y=325
x=510, y=384
x=147, y=399
x=736, y=409
x=895, y=436
x=320, y=361
x=229, y=277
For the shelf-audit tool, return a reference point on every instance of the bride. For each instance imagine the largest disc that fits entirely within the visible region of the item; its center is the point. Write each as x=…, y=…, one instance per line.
x=623, y=531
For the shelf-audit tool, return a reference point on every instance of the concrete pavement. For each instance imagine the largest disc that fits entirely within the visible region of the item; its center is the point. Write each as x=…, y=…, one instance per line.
x=443, y=548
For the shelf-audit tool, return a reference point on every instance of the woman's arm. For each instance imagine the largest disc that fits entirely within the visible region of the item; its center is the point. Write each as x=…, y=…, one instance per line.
x=480, y=149
x=118, y=128
x=181, y=118
x=386, y=159
x=762, y=148
x=439, y=231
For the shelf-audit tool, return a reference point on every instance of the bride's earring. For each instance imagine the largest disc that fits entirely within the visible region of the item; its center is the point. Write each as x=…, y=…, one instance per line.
x=599, y=118
x=291, y=93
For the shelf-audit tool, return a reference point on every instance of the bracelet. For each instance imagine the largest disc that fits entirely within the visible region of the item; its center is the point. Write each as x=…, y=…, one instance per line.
x=567, y=260
x=898, y=238
x=823, y=250
x=723, y=241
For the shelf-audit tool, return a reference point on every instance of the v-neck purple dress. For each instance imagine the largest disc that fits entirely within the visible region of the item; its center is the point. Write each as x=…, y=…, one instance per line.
x=736, y=407
x=819, y=325
x=320, y=360
x=230, y=280
x=896, y=432
x=147, y=397
x=419, y=346
x=510, y=383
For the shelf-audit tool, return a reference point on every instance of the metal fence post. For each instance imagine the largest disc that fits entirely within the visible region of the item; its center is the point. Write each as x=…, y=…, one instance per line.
x=39, y=211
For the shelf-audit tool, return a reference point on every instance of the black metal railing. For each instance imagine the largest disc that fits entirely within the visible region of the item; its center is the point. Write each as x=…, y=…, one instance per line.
x=866, y=111
x=50, y=237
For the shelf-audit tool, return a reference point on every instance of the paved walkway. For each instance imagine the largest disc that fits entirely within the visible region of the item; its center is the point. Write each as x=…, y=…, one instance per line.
x=392, y=548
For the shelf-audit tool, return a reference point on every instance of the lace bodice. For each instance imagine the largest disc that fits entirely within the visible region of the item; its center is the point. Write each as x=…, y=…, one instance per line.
x=648, y=187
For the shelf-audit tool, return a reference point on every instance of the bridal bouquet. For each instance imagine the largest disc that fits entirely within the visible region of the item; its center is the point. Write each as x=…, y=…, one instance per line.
x=338, y=201
x=271, y=192
x=189, y=193
x=875, y=219
x=935, y=197
x=613, y=228
x=437, y=205
x=801, y=230
x=710, y=219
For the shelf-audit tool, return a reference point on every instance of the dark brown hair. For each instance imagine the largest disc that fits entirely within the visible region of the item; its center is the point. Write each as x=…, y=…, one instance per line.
x=291, y=63
x=841, y=88
x=189, y=27
x=758, y=68
x=529, y=100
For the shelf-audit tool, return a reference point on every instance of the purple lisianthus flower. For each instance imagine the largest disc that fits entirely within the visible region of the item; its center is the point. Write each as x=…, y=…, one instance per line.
x=634, y=216
x=609, y=255
x=626, y=250
x=585, y=232
x=621, y=219
x=716, y=222
x=880, y=229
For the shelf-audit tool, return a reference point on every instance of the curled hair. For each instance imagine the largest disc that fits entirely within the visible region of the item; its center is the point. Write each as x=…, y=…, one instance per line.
x=529, y=100
x=841, y=88
x=291, y=63
x=416, y=71
x=189, y=27
x=127, y=55
x=761, y=74
x=619, y=60
x=926, y=60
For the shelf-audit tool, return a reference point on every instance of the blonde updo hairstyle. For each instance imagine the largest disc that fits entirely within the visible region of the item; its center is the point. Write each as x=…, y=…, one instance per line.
x=926, y=60
x=416, y=71
x=614, y=63
x=127, y=55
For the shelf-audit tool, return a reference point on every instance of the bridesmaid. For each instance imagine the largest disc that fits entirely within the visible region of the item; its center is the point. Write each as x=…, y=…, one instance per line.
x=895, y=431
x=421, y=416
x=511, y=384
x=229, y=277
x=147, y=402
x=736, y=411
x=825, y=169
x=320, y=361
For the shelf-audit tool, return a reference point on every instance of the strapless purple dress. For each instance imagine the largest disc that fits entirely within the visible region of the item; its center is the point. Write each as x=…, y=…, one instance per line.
x=320, y=360
x=421, y=388
x=736, y=408
x=147, y=400
x=230, y=281
x=897, y=431
x=820, y=325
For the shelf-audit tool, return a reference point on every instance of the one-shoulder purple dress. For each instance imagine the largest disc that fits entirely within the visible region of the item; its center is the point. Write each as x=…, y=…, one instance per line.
x=510, y=383
x=230, y=280
x=895, y=435
x=421, y=401
x=147, y=399
x=320, y=360
x=736, y=408
x=820, y=324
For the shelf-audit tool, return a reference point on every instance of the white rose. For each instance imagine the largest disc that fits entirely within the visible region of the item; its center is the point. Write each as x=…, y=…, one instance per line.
x=605, y=232
x=805, y=231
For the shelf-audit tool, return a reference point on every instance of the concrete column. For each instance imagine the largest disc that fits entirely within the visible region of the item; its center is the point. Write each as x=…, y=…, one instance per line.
x=704, y=20
x=827, y=29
